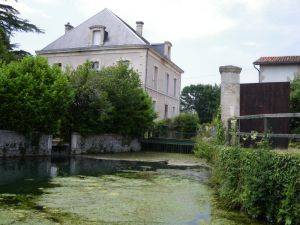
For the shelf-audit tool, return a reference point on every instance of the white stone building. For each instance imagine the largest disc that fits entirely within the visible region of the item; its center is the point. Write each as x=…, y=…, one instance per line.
x=105, y=39
x=278, y=68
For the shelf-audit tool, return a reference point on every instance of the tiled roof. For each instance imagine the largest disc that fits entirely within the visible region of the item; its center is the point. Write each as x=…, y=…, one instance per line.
x=273, y=60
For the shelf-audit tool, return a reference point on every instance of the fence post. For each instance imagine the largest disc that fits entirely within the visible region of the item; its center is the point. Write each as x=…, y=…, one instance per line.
x=265, y=126
x=228, y=131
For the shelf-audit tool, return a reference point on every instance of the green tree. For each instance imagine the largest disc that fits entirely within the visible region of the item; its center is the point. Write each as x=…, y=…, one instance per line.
x=33, y=96
x=10, y=22
x=203, y=99
x=90, y=108
x=132, y=112
x=108, y=101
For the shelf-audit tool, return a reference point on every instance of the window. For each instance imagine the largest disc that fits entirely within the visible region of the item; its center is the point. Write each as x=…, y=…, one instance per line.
x=166, y=111
x=95, y=65
x=173, y=110
x=155, y=75
x=96, y=37
x=167, y=83
x=175, y=87
x=154, y=105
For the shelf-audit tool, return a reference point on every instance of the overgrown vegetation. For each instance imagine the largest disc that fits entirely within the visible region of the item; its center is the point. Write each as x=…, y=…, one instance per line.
x=34, y=96
x=108, y=101
x=185, y=125
x=295, y=103
x=261, y=182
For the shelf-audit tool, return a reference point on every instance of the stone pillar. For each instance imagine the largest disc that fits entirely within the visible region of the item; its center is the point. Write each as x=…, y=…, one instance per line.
x=45, y=144
x=230, y=92
x=76, y=143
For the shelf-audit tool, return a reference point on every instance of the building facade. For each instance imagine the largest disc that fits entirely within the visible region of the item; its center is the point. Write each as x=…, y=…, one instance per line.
x=278, y=69
x=105, y=39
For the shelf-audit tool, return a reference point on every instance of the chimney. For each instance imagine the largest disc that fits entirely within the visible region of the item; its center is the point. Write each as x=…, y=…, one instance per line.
x=139, y=27
x=167, y=49
x=68, y=27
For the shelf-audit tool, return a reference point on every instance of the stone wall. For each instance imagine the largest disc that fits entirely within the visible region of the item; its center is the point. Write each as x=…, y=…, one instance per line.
x=16, y=144
x=104, y=143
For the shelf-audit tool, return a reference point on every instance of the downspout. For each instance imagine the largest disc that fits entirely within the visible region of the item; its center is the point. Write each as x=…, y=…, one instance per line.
x=258, y=72
x=146, y=70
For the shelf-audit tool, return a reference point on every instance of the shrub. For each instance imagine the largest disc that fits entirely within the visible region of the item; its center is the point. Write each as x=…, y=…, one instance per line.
x=108, y=101
x=185, y=125
x=186, y=122
x=132, y=110
x=34, y=96
x=90, y=108
x=264, y=184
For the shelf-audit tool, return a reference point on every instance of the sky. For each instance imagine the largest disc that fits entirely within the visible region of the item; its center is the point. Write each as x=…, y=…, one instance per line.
x=205, y=34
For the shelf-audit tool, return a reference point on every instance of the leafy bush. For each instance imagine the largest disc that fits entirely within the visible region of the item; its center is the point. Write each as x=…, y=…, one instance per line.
x=90, y=108
x=295, y=103
x=34, y=96
x=108, y=101
x=264, y=184
x=185, y=125
x=186, y=122
x=132, y=110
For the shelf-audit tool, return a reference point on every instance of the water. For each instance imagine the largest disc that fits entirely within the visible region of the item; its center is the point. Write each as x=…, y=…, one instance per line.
x=81, y=190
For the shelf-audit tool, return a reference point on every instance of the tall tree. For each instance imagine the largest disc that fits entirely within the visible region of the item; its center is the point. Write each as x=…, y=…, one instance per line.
x=203, y=99
x=10, y=22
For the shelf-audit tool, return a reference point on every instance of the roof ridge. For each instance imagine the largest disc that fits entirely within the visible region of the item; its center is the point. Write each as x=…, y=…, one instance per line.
x=130, y=28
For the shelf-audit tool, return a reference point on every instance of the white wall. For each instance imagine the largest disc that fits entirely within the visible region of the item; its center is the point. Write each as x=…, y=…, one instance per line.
x=278, y=73
x=137, y=58
x=161, y=95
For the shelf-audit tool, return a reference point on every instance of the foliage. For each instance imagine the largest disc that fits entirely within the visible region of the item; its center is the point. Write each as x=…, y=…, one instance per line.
x=10, y=22
x=203, y=99
x=33, y=95
x=132, y=112
x=185, y=125
x=264, y=184
x=220, y=130
x=295, y=103
x=90, y=107
x=186, y=122
x=108, y=101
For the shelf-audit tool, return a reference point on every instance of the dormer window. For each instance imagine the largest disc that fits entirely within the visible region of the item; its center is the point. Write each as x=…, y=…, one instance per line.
x=97, y=35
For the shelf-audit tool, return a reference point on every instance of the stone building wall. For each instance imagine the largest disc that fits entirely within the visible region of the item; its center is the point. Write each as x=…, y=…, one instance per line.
x=105, y=143
x=15, y=144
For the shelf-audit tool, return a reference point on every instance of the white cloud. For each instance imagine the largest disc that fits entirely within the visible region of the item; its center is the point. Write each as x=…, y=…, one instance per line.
x=25, y=9
x=168, y=19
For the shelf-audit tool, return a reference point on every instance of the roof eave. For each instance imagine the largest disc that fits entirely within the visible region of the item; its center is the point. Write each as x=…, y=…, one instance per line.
x=83, y=49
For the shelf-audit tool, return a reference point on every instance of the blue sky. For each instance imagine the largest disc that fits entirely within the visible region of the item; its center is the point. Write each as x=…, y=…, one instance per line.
x=205, y=33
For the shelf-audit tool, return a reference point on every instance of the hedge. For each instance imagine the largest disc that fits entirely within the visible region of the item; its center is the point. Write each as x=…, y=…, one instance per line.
x=264, y=184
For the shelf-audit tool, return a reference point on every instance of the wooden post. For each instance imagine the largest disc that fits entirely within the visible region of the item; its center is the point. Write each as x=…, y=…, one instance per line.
x=265, y=126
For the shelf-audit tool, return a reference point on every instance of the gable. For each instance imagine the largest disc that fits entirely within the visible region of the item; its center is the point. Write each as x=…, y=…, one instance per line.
x=118, y=33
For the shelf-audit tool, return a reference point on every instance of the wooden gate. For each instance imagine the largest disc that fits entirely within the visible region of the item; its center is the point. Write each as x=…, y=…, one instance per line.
x=265, y=98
